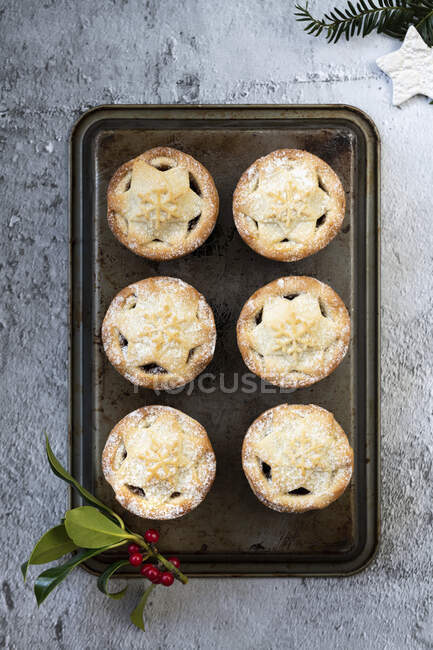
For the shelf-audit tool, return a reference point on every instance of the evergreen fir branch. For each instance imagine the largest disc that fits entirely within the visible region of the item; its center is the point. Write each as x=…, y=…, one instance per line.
x=361, y=18
x=424, y=23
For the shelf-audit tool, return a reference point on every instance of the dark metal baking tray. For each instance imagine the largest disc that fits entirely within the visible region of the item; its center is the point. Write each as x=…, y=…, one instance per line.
x=232, y=533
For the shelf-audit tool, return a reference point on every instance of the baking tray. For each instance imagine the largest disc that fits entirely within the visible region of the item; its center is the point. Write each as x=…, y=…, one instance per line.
x=231, y=533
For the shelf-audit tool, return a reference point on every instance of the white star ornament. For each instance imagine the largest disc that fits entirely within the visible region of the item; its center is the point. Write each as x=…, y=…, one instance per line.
x=410, y=68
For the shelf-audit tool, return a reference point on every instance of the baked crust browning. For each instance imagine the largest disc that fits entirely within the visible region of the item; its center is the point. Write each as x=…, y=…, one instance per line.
x=159, y=333
x=162, y=204
x=294, y=331
x=297, y=458
x=288, y=205
x=159, y=462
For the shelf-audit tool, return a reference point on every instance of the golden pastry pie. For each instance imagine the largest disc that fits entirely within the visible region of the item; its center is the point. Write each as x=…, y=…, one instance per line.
x=159, y=462
x=293, y=331
x=288, y=205
x=162, y=204
x=297, y=458
x=159, y=333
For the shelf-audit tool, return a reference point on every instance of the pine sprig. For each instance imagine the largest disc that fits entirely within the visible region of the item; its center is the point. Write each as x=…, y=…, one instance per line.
x=391, y=17
x=424, y=23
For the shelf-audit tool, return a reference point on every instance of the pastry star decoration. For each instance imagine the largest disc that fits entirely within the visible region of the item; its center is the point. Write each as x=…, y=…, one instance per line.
x=155, y=455
x=287, y=203
x=295, y=455
x=290, y=328
x=410, y=68
x=160, y=330
x=158, y=204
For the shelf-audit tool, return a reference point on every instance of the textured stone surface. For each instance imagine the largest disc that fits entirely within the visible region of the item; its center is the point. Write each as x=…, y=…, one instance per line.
x=58, y=59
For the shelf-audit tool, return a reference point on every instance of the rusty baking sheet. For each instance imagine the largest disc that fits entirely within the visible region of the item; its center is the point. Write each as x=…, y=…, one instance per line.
x=232, y=533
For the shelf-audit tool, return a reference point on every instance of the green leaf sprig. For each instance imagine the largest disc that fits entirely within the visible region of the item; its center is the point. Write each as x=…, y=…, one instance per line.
x=88, y=531
x=391, y=17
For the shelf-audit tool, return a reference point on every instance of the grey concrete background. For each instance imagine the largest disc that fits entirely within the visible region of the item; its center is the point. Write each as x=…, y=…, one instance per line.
x=60, y=57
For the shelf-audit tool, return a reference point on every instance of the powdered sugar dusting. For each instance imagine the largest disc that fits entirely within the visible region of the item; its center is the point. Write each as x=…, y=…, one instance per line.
x=304, y=447
x=158, y=214
x=298, y=340
x=161, y=323
x=279, y=200
x=169, y=464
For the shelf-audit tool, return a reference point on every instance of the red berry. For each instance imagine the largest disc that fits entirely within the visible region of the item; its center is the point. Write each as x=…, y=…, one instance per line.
x=135, y=559
x=153, y=574
x=144, y=569
x=151, y=535
x=133, y=548
x=157, y=580
x=167, y=579
x=175, y=561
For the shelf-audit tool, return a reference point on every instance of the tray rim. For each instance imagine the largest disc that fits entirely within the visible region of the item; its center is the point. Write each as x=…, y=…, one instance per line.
x=362, y=120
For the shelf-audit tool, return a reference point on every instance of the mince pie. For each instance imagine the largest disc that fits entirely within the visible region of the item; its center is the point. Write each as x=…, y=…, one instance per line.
x=288, y=205
x=159, y=462
x=162, y=204
x=297, y=458
x=159, y=333
x=293, y=331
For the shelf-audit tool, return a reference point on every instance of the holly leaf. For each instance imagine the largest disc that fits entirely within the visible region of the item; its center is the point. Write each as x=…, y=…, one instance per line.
x=62, y=473
x=54, y=544
x=89, y=528
x=49, y=579
x=104, y=578
x=137, y=615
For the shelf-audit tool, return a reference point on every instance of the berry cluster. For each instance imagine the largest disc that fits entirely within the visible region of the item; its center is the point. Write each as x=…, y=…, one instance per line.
x=151, y=571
